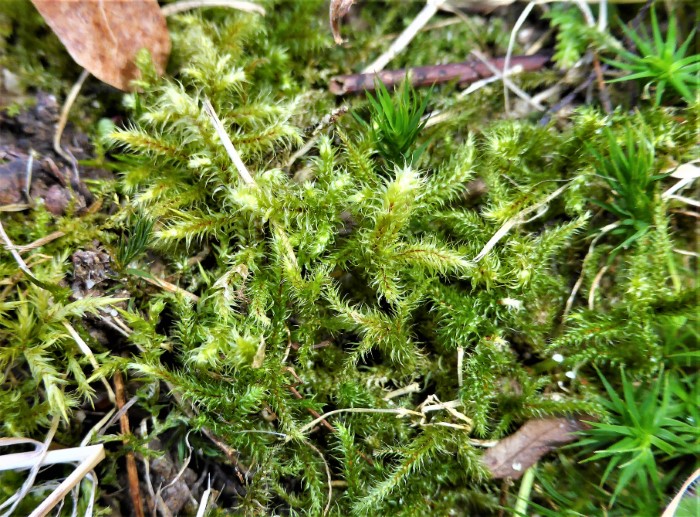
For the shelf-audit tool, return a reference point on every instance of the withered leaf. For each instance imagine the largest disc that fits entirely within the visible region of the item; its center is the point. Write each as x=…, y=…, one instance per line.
x=513, y=455
x=338, y=9
x=104, y=36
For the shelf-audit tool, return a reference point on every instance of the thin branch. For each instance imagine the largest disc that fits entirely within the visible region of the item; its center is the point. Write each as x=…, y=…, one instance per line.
x=464, y=72
x=131, y=470
x=191, y=411
x=602, y=89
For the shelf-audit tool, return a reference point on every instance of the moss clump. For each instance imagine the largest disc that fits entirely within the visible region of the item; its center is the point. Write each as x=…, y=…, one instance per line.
x=368, y=284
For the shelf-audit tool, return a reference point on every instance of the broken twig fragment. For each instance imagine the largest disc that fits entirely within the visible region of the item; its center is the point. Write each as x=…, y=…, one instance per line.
x=465, y=72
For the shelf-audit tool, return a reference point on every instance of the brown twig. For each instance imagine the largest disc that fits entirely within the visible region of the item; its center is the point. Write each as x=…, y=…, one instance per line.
x=604, y=95
x=503, y=499
x=131, y=471
x=231, y=454
x=465, y=72
x=312, y=412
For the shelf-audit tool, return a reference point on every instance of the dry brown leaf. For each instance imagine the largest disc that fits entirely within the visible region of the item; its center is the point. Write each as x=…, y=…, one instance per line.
x=338, y=9
x=104, y=36
x=513, y=455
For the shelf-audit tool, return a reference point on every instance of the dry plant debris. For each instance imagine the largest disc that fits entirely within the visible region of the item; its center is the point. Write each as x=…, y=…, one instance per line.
x=513, y=455
x=104, y=36
x=464, y=73
x=338, y=9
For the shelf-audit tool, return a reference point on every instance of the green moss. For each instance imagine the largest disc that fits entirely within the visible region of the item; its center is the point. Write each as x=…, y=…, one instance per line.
x=30, y=50
x=360, y=277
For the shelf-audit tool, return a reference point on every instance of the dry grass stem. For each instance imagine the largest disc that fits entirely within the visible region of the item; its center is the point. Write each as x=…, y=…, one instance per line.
x=594, y=286
x=63, y=120
x=40, y=242
x=204, y=501
x=517, y=220
x=509, y=53
x=171, y=288
x=86, y=457
x=400, y=43
x=99, y=428
x=400, y=413
x=228, y=145
x=188, y=5
x=686, y=174
x=676, y=501
x=414, y=387
x=508, y=84
x=460, y=366
x=327, y=508
x=579, y=281
x=9, y=246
